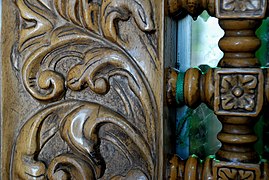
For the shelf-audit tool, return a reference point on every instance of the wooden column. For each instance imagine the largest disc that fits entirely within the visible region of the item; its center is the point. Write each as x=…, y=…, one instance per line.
x=239, y=90
x=235, y=90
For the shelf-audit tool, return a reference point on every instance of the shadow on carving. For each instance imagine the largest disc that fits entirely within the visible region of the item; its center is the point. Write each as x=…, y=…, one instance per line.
x=75, y=60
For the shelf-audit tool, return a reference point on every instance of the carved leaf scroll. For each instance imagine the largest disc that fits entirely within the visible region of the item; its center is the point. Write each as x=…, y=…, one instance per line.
x=79, y=124
x=79, y=30
x=80, y=12
x=113, y=10
x=75, y=46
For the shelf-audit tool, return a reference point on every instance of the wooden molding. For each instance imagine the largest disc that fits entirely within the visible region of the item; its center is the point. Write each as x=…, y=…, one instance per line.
x=193, y=7
x=211, y=168
x=226, y=9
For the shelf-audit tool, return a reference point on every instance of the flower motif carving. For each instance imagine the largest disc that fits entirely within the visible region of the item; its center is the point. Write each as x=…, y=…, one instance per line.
x=253, y=9
x=238, y=92
x=227, y=173
x=241, y=5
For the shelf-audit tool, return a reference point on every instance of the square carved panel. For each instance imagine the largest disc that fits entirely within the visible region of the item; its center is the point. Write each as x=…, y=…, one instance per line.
x=226, y=170
x=237, y=91
x=240, y=8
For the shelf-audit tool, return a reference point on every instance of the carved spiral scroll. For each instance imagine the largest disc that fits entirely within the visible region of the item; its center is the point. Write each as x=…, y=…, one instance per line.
x=78, y=123
x=73, y=46
x=70, y=37
x=68, y=165
x=82, y=28
x=141, y=10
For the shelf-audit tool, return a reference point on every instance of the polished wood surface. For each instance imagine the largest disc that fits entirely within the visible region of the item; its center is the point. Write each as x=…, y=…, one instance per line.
x=236, y=90
x=82, y=89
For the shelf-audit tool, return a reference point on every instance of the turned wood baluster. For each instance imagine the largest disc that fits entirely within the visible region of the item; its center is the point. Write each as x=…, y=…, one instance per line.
x=239, y=43
x=235, y=90
x=238, y=96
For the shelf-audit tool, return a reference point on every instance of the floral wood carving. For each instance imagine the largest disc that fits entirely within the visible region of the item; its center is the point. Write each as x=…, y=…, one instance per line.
x=227, y=173
x=78, y=124
x=241, y=8
x=75, y=49
x=238, y=92
x=45, y=39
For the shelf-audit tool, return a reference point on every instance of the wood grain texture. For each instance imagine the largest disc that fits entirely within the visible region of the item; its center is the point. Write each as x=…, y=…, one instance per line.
x=80, y=93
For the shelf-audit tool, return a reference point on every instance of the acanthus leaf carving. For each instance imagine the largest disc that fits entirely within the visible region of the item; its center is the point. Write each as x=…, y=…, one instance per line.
x=35, y=29
x=71, y=46
x=79, y=123
x=114, y=10
x=80, y=12
x=69, y=165
x=52, y=88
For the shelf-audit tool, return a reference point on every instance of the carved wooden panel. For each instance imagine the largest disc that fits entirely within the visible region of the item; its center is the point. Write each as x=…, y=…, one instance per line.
x=82, y=89
x=237, y=90
x=240, y=8
x=231, y=171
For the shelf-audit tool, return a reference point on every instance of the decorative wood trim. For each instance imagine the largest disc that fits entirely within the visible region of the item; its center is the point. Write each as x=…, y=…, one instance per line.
x=236, y=91
x=254, y=9
x=212, y=168
x=194, y=8
x=87, y=70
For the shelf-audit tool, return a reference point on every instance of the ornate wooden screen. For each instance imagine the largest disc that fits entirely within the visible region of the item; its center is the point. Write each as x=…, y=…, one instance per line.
x=82, y=89
x=237, y=91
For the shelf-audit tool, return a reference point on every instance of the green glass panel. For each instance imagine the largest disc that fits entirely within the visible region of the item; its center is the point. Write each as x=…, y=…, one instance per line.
x=262, y=33
x=203, y=124
x=198, y=128
x=204, y=127
x=262, y=127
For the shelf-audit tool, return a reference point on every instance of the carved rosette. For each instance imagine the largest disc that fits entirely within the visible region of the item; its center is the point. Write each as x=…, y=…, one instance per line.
x=237, y=91
x=241, y=8
x=98, y=112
